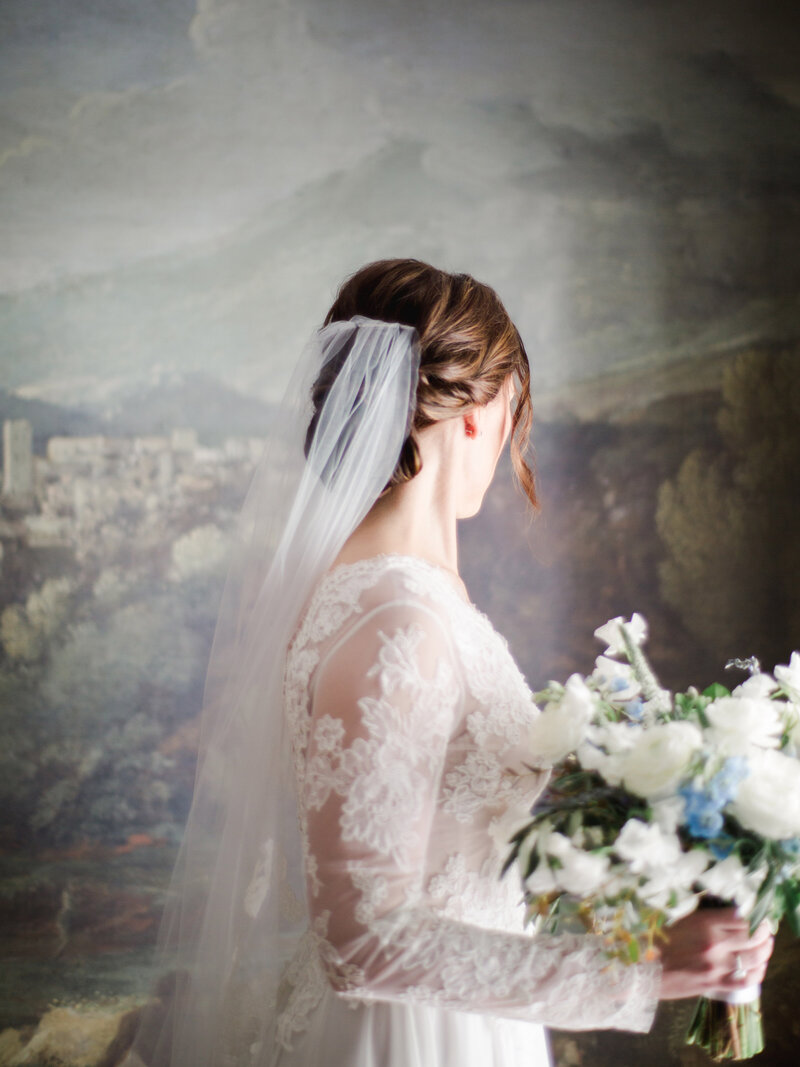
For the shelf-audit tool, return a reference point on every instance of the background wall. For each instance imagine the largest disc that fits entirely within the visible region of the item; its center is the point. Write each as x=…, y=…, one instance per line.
x=184, y=185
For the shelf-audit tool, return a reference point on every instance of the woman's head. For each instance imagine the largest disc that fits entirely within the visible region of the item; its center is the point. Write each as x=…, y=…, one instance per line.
x=469, y=348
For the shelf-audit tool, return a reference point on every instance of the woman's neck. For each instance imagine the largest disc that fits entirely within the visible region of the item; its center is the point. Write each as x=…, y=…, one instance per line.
x=417, y=518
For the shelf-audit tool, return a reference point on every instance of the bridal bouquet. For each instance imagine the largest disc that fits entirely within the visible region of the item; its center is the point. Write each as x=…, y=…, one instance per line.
x=663, y=802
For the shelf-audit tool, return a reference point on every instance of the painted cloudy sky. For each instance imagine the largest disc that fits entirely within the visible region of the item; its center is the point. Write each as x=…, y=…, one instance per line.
x=184, y=184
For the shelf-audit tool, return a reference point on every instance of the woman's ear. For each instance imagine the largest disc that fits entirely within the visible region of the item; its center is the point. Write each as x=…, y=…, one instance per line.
x=471, y=428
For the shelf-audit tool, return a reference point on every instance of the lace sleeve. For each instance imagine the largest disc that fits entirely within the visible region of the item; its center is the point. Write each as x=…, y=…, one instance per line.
x=386, y=701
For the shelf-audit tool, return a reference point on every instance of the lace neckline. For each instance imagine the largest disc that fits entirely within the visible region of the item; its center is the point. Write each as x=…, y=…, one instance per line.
x=386, y=557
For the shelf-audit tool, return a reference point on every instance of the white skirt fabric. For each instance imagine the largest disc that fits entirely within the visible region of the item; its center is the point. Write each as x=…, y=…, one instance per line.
x=394, y=1034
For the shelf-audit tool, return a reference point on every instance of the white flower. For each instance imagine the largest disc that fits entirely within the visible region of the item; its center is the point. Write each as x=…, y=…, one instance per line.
x=660, y=758
x=612, y=635
x=668, y=813
x=604, y=747
x=503, y=827
x=730, y=880
x=616, y=679
x=757, y=686
x=789, y=676
x=595, y=759
x=791, y=713
x=739, y=722
x=667, y=875
x=676, y=904
x=580, y=873
x=561, y=727
x=542, y=881
x=618, y=737
x=768, y=800
x=680, y=873
x=646, y=847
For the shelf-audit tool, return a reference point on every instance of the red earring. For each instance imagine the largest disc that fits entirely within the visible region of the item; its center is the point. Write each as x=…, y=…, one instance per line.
x=469, y=430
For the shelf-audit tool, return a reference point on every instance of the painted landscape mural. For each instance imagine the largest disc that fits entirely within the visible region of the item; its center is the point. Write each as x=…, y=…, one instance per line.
x=187, y=186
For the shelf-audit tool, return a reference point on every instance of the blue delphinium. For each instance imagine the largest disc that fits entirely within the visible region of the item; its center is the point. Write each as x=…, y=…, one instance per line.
x=725, y=783
x=702, y=812
x=703, y=807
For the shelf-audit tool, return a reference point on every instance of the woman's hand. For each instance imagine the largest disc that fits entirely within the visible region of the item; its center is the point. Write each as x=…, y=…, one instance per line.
x=706, y=948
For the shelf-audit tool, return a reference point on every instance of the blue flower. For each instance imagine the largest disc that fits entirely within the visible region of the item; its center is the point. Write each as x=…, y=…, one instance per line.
x=634, y=709
x=618, y=684
x=725, y=783
x=721, y=847
x=702, y=812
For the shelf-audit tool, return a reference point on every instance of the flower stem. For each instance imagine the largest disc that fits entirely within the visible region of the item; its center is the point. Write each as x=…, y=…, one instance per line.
x=658, y=699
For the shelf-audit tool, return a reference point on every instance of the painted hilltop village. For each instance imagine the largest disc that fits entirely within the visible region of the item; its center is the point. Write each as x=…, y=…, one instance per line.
x=69, y=497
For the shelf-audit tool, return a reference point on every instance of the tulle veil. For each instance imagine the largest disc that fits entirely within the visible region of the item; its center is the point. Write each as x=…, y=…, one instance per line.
x=236, y=902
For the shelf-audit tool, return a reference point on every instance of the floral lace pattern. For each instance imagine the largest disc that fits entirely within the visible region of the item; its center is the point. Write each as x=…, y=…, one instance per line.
x=305, y=978
x=382, y=777
x=465, y=893
x=406, y=712
x=566, y=980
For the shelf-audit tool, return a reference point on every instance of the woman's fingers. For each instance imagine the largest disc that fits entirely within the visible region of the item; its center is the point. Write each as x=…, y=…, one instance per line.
x=763, y=933
x=707, y=948
x=756, y=956
x=748, y=966
x=741, y=935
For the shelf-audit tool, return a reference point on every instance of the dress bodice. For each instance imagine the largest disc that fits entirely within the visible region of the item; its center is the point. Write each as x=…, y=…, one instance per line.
x=489, y=706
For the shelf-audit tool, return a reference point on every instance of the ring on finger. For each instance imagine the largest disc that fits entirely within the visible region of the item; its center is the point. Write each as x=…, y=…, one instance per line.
x=739, y=973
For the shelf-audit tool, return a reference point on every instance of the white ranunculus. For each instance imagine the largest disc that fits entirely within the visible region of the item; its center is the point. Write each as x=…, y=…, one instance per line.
x=646, y=847
x=660, y=758
x=618, y=737
x=789, y=676
x=757, y=685
x=561, y=727
x=580, y=873
x=768, y=800
x=792, y=721
x=737, y=723
x=730, y=880
x=612, y=635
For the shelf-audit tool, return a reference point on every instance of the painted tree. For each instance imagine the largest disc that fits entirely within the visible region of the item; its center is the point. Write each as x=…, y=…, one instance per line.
x=730, y=520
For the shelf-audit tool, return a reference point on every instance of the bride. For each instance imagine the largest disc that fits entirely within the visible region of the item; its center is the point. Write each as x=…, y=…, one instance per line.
x=338, y=898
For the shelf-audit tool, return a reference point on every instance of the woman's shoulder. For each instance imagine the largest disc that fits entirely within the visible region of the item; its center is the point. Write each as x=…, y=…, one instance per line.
x=354, y=589
x=373, y=594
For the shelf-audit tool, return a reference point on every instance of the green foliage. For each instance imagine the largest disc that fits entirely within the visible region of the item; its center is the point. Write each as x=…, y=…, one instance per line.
x=728, y=520
x=715, y=691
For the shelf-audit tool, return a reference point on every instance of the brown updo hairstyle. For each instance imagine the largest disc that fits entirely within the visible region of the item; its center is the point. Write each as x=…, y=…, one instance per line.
x=468, y=343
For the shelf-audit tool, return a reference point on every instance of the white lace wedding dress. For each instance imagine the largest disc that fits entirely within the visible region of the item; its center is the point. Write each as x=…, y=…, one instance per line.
x=408, y=717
